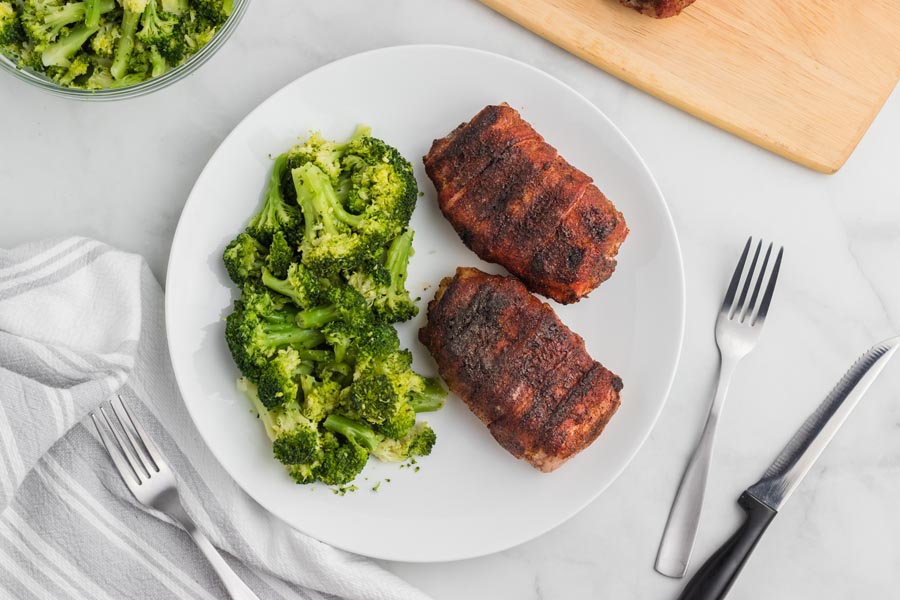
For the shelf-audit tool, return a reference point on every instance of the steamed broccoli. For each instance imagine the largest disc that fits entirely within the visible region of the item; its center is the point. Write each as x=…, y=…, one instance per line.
x=323, y=266
x=342, y=460
x=244, y=258
x=101, y=44
x=384, y=286
x=355, y=197
x=301, y=285
x=419, y=441
x=254, y=337
x=276, y=213
x=11, y=32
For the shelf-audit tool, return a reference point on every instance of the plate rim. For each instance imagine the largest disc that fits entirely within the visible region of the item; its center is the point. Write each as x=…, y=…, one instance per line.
x=682, y=299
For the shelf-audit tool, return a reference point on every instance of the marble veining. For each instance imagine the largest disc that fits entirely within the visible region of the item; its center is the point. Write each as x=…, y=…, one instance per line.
x=121, y=172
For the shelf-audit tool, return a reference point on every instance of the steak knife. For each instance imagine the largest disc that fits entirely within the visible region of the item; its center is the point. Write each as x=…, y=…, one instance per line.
x=764, y=499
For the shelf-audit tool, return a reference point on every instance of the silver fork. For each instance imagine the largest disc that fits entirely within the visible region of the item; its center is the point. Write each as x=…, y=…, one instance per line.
x=151, y=481
x=738, y=327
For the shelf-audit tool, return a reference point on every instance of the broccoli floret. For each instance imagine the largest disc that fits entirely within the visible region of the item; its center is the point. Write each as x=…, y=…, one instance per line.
x=79, y=65
x=105, y=40
x=295, y=439
x=60, y=52
x=215, y=11
x=384, y=286
x=399, y=424
x=278, y=380
x=372, y=398
x=44, y=20
x=344, y=303
x=320, y=398
x=325, y=154
x=342, y=460
x=301, y=285
x=281, y=255
x=331, y=242
x=372, y=345
x=275, y=214
x=255, y=337
x=125, y=46
x=419, y=441
x=244, y=258
x=383, y=186
x=429, y=398
x=156, y=26
x=11, y=32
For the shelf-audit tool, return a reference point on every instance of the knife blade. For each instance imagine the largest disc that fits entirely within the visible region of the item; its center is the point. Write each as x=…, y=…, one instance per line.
x=763, y=499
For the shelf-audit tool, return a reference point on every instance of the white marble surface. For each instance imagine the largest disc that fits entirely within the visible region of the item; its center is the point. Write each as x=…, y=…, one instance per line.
x=121, y=173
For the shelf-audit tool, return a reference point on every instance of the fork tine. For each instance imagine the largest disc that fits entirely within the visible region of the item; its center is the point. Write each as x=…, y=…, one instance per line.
x=127, y=423
x=749, y=279
x=759, y=281
x=770, y=290
x=126, y=448
x=114, y=450
x=736, y=278
x=145, y=440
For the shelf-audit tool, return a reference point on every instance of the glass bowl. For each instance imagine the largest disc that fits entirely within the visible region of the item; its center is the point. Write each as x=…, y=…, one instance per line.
x=145, y=87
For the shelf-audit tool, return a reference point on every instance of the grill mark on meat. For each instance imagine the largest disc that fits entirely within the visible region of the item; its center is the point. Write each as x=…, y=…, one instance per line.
x=518, y=367
x=513, y=200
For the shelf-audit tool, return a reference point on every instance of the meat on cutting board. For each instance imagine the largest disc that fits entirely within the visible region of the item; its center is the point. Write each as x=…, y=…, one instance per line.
x=515, y=201
x=658, y=8
x=525, y=374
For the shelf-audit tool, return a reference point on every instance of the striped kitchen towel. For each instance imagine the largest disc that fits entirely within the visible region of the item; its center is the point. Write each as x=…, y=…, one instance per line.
x=80, y=321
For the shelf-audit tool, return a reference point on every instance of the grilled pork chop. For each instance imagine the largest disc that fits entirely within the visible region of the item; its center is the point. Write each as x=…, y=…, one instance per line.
x=518, y=367
x=658, y=8
x=515, y=201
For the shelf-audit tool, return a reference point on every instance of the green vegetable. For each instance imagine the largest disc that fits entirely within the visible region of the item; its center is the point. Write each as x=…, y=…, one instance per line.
x=102, y=44
x=322, y=267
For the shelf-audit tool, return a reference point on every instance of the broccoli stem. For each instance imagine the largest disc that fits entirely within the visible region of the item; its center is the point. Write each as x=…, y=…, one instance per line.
x=317, y=317
x=353, y=430
x=281, y=286
x=315, y=356
x=290, y=335
x=92, y=13
x=397, y=261
x=59, y=52
x=158, y=63
x=251, y=391
x=228, y=7
x=430, y=399
x=130, y=21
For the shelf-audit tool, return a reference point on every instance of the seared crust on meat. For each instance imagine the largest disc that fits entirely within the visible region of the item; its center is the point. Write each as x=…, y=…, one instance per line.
x=525, y=374
x=659, y=9
x=515, y=201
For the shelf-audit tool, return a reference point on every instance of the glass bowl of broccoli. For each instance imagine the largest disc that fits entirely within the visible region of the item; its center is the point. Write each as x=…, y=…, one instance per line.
x=111, y=49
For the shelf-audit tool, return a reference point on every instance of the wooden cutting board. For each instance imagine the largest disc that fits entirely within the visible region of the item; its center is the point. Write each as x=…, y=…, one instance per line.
x=803, y=79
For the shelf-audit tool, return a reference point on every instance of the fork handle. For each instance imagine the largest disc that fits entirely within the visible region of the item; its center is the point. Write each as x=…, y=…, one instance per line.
x=236, y=588
x=677, y=542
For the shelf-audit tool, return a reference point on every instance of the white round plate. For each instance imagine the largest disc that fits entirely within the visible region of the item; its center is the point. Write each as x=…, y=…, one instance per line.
x=470, y=497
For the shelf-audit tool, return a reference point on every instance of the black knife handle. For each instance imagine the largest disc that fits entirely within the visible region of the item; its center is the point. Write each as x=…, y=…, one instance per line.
x=717, y=575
